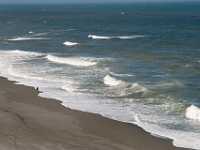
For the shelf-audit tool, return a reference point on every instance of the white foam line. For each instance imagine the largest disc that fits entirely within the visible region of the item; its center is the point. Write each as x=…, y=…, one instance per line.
x=68, y=43
x=128, y=37
x=74, y=61
x=27, y=38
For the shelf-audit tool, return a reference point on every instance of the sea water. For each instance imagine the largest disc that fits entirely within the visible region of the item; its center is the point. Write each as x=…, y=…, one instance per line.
x=137, y=63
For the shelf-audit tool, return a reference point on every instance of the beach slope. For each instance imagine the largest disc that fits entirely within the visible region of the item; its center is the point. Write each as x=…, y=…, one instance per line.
x=29, y=122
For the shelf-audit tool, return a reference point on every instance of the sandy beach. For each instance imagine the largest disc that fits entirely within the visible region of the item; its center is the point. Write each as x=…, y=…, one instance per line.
x=29, y=122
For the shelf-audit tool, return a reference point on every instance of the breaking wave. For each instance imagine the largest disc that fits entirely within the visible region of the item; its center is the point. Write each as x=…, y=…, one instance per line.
x=27, y=38
x=130, y=37
x=68, y=43
x=121, y=88
x=111, y=81
x=74, y=61
x=99, y=37
x=193, y=112
x=115, y=37
x=17, y=53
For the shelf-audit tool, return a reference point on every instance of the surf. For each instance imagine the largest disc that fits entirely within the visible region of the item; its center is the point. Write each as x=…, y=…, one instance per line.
x=193, y=112
x=120, y=88
x=14, y=55
x=73, y=61
x=111, y=81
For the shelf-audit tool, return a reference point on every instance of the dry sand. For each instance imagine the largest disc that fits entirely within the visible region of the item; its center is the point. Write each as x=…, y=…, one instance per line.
x=29, y=122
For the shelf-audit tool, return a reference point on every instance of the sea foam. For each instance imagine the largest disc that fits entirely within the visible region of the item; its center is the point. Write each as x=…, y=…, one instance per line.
x=137, y=88
x=68, y=43
x=30, y=32
x=27, y=38
x=74, y=61
x=128, y=37
x=99, y=37
x=120, y=88
x=15, y=55
x=10, y=60
x=193, y=112
x=111, y=81
x=22, y=52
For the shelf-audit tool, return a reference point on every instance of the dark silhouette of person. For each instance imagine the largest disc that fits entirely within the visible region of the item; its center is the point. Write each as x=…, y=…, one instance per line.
x=37, y=90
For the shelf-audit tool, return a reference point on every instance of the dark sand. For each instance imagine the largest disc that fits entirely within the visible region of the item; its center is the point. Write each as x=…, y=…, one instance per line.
x=29, y=122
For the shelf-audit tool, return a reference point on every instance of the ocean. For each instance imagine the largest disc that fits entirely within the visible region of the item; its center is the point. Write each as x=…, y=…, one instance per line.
x=137, y=63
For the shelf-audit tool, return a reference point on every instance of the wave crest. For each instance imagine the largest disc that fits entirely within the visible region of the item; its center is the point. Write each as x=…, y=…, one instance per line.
x=111, y=81
x=21, y=52
x=74, y=61
x=121, y=88
x=27, y=38
x=68, y=43
x=128, y=37
x=10, y=56
x=99, y=37
x=193, y=112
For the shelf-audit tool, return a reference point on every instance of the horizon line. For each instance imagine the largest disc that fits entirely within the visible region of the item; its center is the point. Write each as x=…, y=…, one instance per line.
x=128, y=2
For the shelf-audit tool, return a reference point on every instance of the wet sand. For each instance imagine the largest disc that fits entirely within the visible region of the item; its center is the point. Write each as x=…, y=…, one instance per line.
x=29, y=122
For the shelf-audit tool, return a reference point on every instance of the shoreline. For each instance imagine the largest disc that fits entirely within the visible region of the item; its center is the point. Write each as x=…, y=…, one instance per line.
x=30, y=122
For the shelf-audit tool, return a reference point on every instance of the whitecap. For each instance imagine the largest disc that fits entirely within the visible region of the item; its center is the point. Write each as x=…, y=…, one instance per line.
x=27, y=38
x=193, y=112
x=99, y=37
x=111, y=81
x=74, y=61
x=9, y=56
x=22, y=52
x=128, y=37
x=137, y=88
x=30, y=32
x=68, y=43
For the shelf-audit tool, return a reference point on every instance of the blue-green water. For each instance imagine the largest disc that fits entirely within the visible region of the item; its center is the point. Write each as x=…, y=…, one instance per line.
x=137, y=63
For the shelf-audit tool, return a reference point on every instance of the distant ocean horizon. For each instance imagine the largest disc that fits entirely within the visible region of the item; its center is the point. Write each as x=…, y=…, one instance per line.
x=137, y=62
